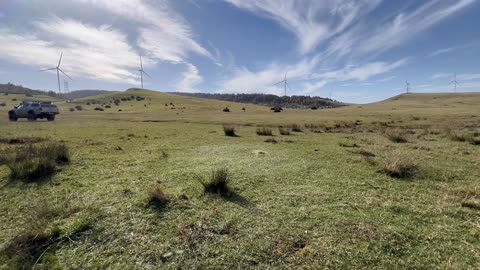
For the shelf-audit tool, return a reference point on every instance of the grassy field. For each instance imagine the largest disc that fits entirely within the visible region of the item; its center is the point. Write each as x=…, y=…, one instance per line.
x=389, y=185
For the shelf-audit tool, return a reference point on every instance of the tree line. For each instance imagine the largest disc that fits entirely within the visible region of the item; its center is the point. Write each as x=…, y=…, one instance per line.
x=299, y=102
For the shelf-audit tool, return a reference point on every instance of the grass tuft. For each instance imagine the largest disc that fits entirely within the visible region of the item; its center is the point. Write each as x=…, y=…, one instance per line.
x=296, y=128
x=398, y=165
x=284, y=131
x=229, y=131
x=34, y=162
x=218, y=182
x=271, y=140
x=157, y=199
x=464, y=136
x=396, y=135
x=264, y=131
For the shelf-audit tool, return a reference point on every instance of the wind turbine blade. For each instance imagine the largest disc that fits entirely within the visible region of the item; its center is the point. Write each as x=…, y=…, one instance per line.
x=47, y=69
x=280, y=82
x=146, y=74
x=141, y=63
x=60, y=60
x=65, y=74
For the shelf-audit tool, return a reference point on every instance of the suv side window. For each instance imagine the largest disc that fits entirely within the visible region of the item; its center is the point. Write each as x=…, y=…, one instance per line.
x=35, y=105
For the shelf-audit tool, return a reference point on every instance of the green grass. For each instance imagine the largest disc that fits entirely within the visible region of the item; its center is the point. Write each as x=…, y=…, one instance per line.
x=310, y=203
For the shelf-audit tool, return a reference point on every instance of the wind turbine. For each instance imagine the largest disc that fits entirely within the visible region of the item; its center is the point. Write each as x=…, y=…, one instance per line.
x=455, y=82
x=285, y=84
x=142, y=71
x=407, y=86
x=58, y=69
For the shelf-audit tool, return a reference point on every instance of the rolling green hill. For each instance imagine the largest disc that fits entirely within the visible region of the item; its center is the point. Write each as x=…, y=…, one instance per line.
x=387, y=185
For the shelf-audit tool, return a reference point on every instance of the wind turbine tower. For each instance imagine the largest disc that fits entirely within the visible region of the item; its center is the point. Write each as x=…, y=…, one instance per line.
x=142, y=71
x=58, y=69
x=285, y=84
x=454, y=82
x=407, y=86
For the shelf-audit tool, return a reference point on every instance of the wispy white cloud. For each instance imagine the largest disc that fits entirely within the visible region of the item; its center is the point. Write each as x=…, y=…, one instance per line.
x=311, y=21
x=387, y=79
x=361, y=73
x=191, y=78
x=441, y=51
x=163, y=33
x=309, y=88
x=460, y=77
x=468, y=77
x=366, y=38
x=244, y=80
x=99, y=53
x=471, y=86
x=441, y=75
x=448, y=50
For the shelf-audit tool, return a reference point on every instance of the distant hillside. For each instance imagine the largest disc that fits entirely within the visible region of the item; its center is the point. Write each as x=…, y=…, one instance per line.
x=84, y=93
x=18, y=89
x=298, y=102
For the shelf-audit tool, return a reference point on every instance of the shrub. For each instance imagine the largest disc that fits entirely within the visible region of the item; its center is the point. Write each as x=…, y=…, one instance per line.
x=72, y=109
x=398, y=165
x=271, y=140
x=464, y=136
x=29, y=170
x=264, y=131
x=229, y=131
x=3, y=104
x=218, y=182
x=108, y=106
x=98, y=109
x=296, y=128
x=34, y=162
x=78, y=108
x=473, y=140
x=396, y=135
x=157, y=198
x=226, y=109
x=284, y=131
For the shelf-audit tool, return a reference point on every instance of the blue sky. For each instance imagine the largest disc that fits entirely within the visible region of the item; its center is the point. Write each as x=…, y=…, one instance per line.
x=354, y=51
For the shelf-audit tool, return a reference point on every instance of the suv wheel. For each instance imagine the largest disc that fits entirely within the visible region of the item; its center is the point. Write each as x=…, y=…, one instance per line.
x=12, y=116
x=51, y=117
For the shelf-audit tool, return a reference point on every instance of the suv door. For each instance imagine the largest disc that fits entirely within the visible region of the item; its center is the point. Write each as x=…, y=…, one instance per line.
x=22, y=110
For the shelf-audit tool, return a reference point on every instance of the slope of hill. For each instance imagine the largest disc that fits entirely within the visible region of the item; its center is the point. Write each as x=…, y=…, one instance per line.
x=84, y=93
x=18, y=89
x=160, y=107
x=297, y=102
x=435, y=99
x=338, y=193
